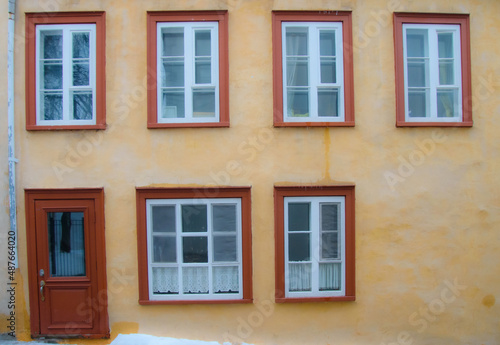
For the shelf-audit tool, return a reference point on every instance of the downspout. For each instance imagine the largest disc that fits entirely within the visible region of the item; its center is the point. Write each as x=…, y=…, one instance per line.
x=10, y=128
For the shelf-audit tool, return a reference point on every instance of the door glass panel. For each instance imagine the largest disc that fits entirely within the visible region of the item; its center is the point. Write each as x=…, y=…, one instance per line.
x=66, y=244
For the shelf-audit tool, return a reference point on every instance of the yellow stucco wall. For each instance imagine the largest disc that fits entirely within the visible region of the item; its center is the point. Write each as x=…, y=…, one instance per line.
x=436, y=227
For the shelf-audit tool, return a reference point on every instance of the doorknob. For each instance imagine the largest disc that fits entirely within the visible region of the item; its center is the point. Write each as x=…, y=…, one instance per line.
x=42, y=285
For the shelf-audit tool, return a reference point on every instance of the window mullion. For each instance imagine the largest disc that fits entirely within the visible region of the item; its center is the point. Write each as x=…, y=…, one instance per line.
x=313, y=61
x=433, y=71
x=67, y=69
x=189, y=68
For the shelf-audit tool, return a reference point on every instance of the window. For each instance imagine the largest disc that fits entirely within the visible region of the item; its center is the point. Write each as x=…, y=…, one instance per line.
x=188, y=69
x=194, y=246
x=432, y=69
x=313, y=74
x=65, y=55
x=314, y=243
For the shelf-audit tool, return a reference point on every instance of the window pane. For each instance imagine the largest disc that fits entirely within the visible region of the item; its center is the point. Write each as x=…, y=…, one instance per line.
x=445, y=45
x=416, y=43
x=225, y=279
x=418, y=103
x=81, y=74
x=52, y=44
x=202, y=43
x=299, y=277
x=330, y=245
x=194, y=249
x=417, y=73
x=173, y=42
x=330, y=277
x=225, y=248
x=52, y=76
x=163, y=218
x=447, y=101
x=298, y=216
x=52, y=105
x=195, y=280
x=224, y=217
x=297, y=72
x=194, y=218
x=81, y=45
x=328, y=103
x=173, y=73
x=327, y=43
x=299, y=247
x=203, y=72
x=296, y=41
x=66, y=244
x=164, y=249
x=203, y=103
x=298, y=103
x=165, y=281
x=329, y=217
x=173, y=104
x=328, y=70
x=82, y=105
x=446, y=73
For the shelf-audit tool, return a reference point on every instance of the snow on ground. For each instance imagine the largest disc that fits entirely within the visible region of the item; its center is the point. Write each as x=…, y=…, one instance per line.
x=143, y=339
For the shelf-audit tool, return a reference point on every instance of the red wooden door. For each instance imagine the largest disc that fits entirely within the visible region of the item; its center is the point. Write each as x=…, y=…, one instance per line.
x=69, y=295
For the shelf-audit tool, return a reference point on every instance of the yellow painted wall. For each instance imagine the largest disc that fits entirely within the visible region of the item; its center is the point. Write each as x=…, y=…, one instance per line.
x=436, y=227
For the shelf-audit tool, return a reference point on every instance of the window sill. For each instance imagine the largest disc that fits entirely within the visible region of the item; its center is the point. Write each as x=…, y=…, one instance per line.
x=314, y=299
x=64, y=127
x=433, y=124
x=314, y=124
x=188, y=125
x=177, y=302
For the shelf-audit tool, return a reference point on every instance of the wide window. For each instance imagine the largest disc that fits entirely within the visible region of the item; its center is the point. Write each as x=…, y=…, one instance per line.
x=313, y=70
x=190, y=69
x=66, y=58
x=315, y=233
x=196, y=248
x=435, y=69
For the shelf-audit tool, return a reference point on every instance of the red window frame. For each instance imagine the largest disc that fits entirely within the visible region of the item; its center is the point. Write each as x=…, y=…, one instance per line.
x=34, y=19
x=401, y=18
x=280, y=192
x=145, y=193
x=345, y=17
x=187, y=16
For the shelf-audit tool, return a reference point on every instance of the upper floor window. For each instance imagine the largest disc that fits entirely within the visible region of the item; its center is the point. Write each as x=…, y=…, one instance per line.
x=314, y=243
x=313, y=69
x=188, y=63
x=65, y=54
x=194, y=248
x=433, y=69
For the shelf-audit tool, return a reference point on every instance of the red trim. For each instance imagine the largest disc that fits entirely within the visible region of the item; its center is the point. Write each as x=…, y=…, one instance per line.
x=319, y=16
x=144, y=193
x=401, y=18
x=96, y=195
x=34, y=19
x=188, y=16
x=280, y=192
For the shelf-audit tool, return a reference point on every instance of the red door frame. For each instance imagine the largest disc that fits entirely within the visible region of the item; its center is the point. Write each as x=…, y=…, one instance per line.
x=96, y=196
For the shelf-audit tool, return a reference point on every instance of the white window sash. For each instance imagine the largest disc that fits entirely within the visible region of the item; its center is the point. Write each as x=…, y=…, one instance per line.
x=190, y=85
x=315, y=246
x=179, y=265
x=67, y=88
x=314, y=70
x=434, y=86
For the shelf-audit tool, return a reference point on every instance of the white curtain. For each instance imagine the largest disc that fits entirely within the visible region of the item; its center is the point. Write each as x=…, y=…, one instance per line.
x=299, y=277
x=195, y=279
x=165, y=280
x=330, y=276
x=225, y=279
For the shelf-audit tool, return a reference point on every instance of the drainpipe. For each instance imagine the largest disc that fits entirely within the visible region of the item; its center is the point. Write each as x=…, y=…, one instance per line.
x=10, y=124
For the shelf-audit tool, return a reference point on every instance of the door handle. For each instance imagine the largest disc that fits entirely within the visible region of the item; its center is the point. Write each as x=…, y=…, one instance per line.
x=42, y=286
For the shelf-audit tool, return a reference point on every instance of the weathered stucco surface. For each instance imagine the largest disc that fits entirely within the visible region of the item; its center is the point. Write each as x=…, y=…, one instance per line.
x=427, y=199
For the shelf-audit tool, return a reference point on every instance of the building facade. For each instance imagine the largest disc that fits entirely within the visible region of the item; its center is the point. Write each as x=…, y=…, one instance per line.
x=267, y=172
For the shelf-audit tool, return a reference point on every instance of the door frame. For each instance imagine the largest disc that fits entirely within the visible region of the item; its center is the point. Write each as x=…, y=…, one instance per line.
x=97, y=196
